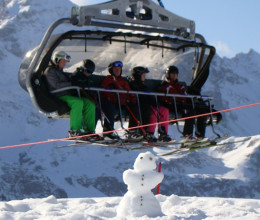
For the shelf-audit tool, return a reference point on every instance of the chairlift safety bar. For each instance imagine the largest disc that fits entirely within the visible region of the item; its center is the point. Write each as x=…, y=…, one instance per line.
x=133, y=92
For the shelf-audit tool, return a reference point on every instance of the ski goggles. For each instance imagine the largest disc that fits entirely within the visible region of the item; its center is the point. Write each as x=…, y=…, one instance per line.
x=88, y=70
x=141, y=70
x=63, y=56
x=118, y=63
x=67, y=58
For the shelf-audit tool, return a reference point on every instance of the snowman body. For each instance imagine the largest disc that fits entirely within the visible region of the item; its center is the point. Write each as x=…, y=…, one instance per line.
x=139, y=200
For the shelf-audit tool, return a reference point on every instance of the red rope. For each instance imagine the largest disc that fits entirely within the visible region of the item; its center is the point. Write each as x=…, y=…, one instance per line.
x=174, y=120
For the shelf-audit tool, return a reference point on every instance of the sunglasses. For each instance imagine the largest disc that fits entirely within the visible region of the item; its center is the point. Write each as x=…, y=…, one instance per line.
x=118, y=63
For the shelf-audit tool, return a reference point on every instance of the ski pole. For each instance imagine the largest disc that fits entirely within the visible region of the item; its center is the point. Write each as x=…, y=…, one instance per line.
x=158, y=186
x=137, y=121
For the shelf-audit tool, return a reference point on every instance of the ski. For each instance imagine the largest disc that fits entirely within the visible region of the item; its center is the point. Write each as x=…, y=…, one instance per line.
x=146, y=144
x=118, y=143
x=125, y=143
x=84, y=142
x=202, y=146
x=192, y=145
x=209, y=141
x=71, y=145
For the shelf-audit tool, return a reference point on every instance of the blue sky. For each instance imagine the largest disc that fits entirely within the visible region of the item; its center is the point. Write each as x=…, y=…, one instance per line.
x=232, y=26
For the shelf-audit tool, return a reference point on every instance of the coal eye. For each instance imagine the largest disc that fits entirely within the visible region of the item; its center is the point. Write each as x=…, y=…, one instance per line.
x=151, y=158
x=141, y=158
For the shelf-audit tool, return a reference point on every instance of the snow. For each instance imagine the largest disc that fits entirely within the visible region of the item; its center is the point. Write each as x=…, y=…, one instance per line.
x=174, y=207
x=43, y=182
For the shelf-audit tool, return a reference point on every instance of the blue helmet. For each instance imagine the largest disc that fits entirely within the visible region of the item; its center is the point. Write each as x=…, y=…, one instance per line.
x=113, y=64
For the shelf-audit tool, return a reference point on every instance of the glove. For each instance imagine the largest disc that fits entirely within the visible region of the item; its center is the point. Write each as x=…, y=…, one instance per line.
x=77, y=83
x=112, y=86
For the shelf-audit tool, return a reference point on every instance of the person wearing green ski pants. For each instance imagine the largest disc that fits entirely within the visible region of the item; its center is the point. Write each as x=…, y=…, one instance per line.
x=82, y=113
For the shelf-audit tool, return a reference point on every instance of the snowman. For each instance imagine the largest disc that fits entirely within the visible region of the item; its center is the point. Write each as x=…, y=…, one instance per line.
x=139, y=199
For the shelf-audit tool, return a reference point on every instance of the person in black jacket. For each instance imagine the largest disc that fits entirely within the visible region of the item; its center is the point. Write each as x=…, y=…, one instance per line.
x=148, y=107
x=83, y=73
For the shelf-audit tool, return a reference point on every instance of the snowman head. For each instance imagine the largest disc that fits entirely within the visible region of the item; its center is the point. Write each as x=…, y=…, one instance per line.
x=145, y=162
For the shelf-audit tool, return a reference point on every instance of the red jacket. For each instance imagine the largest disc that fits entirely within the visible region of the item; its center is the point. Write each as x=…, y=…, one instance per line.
x=112, y=82
x=171, y=87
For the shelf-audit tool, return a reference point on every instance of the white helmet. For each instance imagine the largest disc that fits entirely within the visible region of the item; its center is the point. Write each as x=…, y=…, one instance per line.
x=58, y=55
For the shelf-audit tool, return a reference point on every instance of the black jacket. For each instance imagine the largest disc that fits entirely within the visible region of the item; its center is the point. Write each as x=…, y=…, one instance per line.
x=145, y=100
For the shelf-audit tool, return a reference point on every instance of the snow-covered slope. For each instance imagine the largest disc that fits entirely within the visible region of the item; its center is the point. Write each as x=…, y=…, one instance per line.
x=173, y=207
x=41, y=170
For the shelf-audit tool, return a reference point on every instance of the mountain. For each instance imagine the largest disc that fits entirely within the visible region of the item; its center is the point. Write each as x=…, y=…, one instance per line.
x=41, y=170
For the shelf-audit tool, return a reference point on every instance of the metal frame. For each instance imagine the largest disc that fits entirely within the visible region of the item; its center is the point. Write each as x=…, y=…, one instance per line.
x=155, y=94
x=162, y=20
x=145, y=16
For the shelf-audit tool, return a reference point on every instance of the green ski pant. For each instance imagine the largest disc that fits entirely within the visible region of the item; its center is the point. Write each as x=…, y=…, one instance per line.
x=82, y=112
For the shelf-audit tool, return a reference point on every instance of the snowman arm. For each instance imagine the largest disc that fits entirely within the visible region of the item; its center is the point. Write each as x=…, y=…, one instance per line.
x=130, y=177
x=153, y=178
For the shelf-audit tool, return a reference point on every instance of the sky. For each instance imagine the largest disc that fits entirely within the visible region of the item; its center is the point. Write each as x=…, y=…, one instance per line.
x=231, y=26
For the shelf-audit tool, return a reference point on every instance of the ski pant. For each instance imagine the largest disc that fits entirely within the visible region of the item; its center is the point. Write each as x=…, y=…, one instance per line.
x=162, y=115
x=145, y=111
x=199, y=122
x=109, y=109
x=82, y=112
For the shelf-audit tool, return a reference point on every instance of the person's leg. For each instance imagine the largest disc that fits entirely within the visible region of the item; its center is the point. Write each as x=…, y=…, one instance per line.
x=89, y=114
x=109, y=112
x=153, y=120
x=201, y=121
x=164, y=116
x=189, y=123
x=146, y=114
x=76, y=107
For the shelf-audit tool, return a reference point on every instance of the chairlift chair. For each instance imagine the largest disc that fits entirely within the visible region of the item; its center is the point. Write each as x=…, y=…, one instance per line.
x=96, y=30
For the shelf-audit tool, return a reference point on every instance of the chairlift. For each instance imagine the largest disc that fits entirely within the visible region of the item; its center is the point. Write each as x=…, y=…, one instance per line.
x=119, y=30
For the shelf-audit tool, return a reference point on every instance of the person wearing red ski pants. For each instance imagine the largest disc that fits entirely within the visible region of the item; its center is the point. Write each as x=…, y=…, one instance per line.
x=163, y=117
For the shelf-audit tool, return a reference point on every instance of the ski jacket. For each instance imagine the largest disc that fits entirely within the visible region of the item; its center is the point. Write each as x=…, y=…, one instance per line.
x=112, y=82
x=145, y=100
x=57, y=79
x=171, y=87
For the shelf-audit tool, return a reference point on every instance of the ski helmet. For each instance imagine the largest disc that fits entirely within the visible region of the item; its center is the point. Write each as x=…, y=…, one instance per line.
x=113, y=64
x=138, y=71
x=88, y=66
x=171, y=69
x=58, y=55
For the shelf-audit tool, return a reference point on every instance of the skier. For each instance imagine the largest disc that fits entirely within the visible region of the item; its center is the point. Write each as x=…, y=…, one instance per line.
x=148, y=107
x=82, y=73
x=172, y=85
x=82, y=77
x=109, y=99
x=81, y=109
